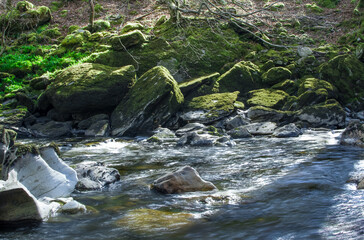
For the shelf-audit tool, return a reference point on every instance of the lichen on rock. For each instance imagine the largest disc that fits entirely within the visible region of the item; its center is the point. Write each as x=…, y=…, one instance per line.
x=267, y=98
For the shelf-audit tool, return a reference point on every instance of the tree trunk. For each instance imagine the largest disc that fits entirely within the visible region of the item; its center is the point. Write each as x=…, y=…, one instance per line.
x=92, y=14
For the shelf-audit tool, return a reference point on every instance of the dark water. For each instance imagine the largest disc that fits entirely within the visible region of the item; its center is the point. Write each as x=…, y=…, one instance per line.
x=268, y=189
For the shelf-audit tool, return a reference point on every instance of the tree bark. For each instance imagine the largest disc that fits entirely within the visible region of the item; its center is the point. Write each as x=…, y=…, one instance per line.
x=92, y=14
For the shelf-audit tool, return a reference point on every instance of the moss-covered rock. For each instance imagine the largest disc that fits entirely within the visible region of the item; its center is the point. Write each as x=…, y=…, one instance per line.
x=40, y=83
x=329, y=114
x=265, y=114
x=359, y=52
x=75, y=39
x=25, y=16
x=151, y=102
x=209, y=108
x=243, y=77
x=13, y=117
x=276, y=75
x=312, y=84
x=126, y=40
x=267, y=98
x=99, y=25
x=346, y=73
x=131, y=26
x=90, y=87
x=288, y=86
x=199, y=86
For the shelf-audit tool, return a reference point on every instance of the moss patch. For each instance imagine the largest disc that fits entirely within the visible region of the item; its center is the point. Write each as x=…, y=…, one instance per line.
x=276, y=75
x=267, y=98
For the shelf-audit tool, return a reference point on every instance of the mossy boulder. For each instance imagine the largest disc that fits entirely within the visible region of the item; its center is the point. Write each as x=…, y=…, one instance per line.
x=90, y=87
x=210, y=108
x=40, y=83
x=346, y=73
x=276, y=75
x=289, y=86
x=265, y=114
x=243, y=77
x=13, y=117
x=151, y=102
x=359, y=52
x=126, y=40
x=329, y=114
x=199, y=86
x=131, y=26
x=99, y=25
x=312, y=84
x=25, y=16
x=267, y=98
x=75, y=39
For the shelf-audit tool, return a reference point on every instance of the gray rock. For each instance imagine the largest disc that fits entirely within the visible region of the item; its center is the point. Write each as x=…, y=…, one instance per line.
x=264, y=128
x=353, y=134
x=189, y=127
x=162, y=135
x=204, y=139
x=263, y=114
x=84, y=124
x=52, y=129
x=234, y=122
x=98, y=129
x=289, y=130
x=185, y=179
x=239, y=132
x=97, y=173
x=54, y=115
x=304, y=51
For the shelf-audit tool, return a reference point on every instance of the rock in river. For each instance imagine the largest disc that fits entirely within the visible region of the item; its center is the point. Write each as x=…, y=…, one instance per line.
x=353, y=134
x=185, y=179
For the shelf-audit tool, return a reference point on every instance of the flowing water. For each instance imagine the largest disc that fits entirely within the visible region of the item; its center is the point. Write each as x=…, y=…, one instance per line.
x=268, y=188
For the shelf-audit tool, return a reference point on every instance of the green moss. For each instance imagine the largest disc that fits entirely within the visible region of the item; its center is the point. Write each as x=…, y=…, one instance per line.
x=275, y=75
x=345, y=72
x=327, y=3
x=199, y=86
x=131, y=26
x=24, y=6
x=23, y=149
x=243, y=77
x=73, y=28
x=75, y=39
x=313, y=84
x=289, y=86
x=215, y=104
x=267, y=98
x=313, y=8
x=126, y=40
x=7, y=136
x=213, y=131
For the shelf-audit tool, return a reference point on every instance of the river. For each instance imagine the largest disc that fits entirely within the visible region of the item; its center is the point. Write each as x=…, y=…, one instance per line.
x=268, y=188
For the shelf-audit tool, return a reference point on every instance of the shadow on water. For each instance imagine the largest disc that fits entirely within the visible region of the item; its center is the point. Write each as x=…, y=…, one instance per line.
x=299, y=205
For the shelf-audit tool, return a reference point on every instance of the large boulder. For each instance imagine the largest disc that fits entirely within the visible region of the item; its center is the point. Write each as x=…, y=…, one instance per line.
x=95, y=176
x=353, y=134
x=263, y=128
x=185, y=179
x=289, y=130
x=243, y=77
x=25, y=16
x=90, y=87
x=276, y=75
x=210, y=108
x=267, y=98
x=42, y=172
x=199, y=86
x=346, y=73
x=329, y=114
x=52, y=129
x=151, y=102
x=126, y=40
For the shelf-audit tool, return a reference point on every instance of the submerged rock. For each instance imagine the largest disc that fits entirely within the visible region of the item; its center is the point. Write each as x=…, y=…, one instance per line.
x=205, y=139
x=185, y=179
x=95, y=176
x=353, y=134
x=151, y=102
x=289, y=130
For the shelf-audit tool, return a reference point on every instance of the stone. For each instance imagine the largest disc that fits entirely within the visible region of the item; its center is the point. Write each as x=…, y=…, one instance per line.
x=199, y=86
x=276, y=75
x=45, y=174
x=40, y=83
x=359, y=52
x=126, y=40
x=264, y=114
x=90, y=87
x=243, y=77
x=72, y=207
x=209, y=108
x=55, y=115
x=204, y=139
x=52, y=129
x=97, y=174
x=13, y=117
x=239, y=132
x=189, y=127
x=131, y=26
x=84, y=124
x=304, y=51
x=345, y=72
x=267, y=98
x=161, y=135
x=150, y=103
x=98, y=129
x=289, y=130
x=234, y=121
x=185, y=179
x=263, y=128
x=329, y=114
x=353, y=134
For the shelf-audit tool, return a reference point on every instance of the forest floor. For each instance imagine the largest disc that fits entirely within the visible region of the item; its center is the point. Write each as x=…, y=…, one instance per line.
x=148, y=12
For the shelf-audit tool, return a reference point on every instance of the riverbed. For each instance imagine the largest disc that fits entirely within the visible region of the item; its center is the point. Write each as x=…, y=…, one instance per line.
x=268, y=188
